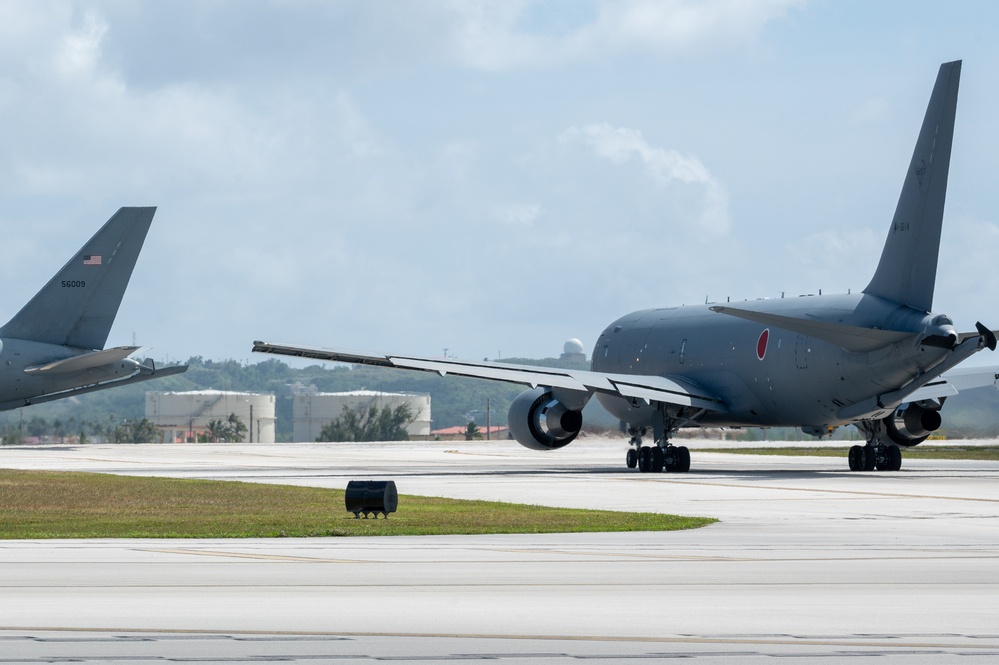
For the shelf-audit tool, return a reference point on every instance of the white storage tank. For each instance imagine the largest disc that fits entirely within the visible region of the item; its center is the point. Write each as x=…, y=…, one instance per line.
x=185, y=416
x=313, y=412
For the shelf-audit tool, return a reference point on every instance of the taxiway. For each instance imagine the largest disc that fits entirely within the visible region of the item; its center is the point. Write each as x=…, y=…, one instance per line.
x=808, y=560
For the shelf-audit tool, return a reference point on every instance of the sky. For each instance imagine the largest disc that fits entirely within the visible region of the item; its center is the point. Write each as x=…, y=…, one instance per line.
x=490, y=178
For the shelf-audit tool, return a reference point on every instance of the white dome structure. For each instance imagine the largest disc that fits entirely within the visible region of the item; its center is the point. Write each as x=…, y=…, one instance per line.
x=573, y=350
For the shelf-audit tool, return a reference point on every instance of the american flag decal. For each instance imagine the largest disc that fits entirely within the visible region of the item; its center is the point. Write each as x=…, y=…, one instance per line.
x=91, y=259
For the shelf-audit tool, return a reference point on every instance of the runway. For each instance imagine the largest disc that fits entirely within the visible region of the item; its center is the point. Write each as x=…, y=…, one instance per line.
x=808, y=561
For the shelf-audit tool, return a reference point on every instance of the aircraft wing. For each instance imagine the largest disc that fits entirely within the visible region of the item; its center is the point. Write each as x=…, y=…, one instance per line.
x=630, y=386
x=955, y=381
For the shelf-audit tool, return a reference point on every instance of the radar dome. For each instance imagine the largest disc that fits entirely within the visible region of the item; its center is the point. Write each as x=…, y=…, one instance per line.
x=573, y=347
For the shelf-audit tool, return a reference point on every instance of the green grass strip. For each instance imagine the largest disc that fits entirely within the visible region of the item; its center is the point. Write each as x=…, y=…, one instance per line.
x=46, y=504
x=985, y=453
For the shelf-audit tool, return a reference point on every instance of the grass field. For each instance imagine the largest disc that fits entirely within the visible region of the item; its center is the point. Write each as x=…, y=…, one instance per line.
x=924, y=451
x=44, y=504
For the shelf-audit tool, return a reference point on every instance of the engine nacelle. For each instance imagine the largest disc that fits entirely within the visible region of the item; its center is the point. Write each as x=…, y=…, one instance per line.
x=912, y=424
x=540, y=422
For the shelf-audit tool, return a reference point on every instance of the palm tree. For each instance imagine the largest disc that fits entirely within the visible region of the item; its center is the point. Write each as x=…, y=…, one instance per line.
x=215, y=432
x=235, y=429
x=472, y=431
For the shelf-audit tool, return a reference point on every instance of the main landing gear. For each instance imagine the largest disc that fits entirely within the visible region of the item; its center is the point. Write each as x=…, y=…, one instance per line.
x=886, y=457
x=879, y=453
x=657, y=458
x=663, y=456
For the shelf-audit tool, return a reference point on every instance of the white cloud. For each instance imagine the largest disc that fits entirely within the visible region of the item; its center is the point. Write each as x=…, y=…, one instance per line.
x=674, y=26
x=621, y=144
x=458, y=157
x=357, y=132
x=833, y=260
x=964, y=281
x=485, y=35
x=80, y=49
x=495, y=35
x=524, y=215
x=872, y=111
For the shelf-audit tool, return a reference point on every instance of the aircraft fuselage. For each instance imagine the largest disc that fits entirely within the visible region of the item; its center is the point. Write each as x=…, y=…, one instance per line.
x=766, y=375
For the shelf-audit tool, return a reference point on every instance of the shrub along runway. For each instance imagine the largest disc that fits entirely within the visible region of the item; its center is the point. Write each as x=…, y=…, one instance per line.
x=807, y=559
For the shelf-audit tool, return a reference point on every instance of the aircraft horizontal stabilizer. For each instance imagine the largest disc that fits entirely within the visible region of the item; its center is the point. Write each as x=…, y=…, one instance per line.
x=83, y=361
x=851, y=338
x=145, y=374
x=988, y=336
x=637, y=387
x=956, y=380
x=919, y=385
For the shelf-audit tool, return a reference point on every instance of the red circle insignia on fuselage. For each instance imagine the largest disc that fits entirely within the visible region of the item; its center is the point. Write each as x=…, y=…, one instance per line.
x=761, y=344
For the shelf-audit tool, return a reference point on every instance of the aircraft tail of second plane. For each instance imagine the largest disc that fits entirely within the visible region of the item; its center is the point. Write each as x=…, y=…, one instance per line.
x=78, y=306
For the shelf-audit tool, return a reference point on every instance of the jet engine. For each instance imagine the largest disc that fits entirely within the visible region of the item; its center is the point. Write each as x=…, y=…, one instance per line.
x=540, y=422
x=911, y=424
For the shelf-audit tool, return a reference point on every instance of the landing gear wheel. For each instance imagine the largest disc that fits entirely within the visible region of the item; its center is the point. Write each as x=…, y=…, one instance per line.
x=631, y=459
x=854, y=458
x=896, y=458
x=682, y=459
x=644, y=459
x=882, y=458
x=677, y=459
x=892, y=459
x=657, y=461
x=868, y=459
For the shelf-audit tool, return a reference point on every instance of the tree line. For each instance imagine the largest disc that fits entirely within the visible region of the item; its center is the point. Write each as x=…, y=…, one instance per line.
x=141, y=430
x=455, y=400
x=371, y=424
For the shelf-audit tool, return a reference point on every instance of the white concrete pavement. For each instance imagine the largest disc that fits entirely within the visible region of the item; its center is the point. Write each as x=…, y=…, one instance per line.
x=809, y=560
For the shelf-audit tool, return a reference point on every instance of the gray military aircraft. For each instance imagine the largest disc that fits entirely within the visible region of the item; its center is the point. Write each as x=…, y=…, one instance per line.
x=881, y=359
x=52, y=348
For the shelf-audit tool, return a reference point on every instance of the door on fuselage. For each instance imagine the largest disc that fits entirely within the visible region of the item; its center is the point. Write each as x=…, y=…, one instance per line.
x=802, y=347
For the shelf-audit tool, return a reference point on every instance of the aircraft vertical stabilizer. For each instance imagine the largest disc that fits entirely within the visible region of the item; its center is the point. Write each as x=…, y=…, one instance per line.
x=78, y=306
x=908, y=268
